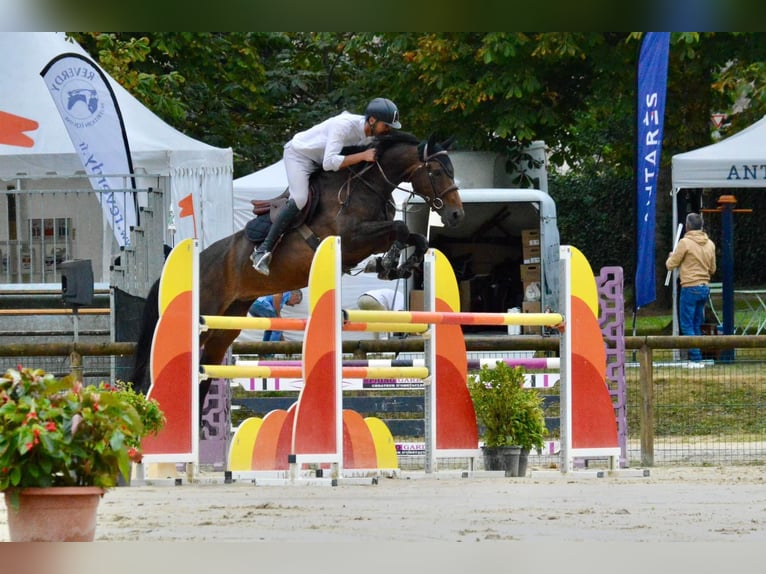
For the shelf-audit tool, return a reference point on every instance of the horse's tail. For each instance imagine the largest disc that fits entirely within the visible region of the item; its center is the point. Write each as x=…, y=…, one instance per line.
x=140, y=376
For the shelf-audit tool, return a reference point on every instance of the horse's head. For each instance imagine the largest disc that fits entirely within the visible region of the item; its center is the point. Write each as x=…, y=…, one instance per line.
x=428, y=168
x=434, y=180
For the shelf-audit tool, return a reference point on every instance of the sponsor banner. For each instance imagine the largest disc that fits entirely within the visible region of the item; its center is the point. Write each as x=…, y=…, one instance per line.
x=531, y=381
x=411, y=448
x=89, y=109
x=652, y=84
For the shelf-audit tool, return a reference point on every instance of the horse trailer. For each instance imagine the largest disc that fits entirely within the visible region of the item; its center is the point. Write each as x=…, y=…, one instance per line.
x=505, y=254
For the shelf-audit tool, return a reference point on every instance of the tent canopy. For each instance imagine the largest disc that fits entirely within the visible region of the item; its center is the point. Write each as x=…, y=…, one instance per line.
x=34, y=141
x=737, y=161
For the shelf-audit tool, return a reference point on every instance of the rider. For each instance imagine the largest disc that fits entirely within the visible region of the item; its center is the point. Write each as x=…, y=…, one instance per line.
x=320, y=146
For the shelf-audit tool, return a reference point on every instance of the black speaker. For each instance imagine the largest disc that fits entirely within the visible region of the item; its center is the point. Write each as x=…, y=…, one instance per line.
x=77, y=282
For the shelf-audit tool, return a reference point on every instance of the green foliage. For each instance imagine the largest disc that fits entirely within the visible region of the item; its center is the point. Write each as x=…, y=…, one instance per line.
x=57, y=432
x=509, y=414
x=595, y=213
x=152, y=417
x=494, y=91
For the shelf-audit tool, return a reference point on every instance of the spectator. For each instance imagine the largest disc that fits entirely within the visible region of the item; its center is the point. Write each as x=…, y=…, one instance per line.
x=695, y=258
x=271, y=306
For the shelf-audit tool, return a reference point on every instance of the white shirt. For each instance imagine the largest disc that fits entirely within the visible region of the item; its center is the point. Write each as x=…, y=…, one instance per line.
x=322, y=143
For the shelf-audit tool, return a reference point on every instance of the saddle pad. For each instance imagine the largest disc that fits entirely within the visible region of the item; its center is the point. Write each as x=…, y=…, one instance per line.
x=257, y=229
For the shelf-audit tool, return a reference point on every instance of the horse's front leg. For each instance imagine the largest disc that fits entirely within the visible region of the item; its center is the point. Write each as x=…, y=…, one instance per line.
x=420, y=243
x=387, y=267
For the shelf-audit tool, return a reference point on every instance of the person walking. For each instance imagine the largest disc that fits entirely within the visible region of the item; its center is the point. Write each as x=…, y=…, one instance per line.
x=271, y=306
x=694, y=256
x=320, y=146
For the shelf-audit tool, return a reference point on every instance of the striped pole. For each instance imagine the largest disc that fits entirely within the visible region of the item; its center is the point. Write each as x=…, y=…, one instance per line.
x=244, y=371
x=473, y=364
x=453, y=318
x=286, y=324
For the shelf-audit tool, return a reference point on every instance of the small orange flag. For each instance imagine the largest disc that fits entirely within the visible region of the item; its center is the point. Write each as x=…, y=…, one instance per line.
x=186, y=206
x=186, y=209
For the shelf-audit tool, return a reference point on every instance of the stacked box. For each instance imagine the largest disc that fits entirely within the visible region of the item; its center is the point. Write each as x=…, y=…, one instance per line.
x=530, y=246
x=531, y=282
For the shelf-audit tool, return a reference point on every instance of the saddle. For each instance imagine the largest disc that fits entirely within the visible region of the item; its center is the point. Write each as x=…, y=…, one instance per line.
x=266, y=211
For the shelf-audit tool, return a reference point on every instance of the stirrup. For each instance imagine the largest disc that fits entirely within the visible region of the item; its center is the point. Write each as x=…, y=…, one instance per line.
x=261, y=261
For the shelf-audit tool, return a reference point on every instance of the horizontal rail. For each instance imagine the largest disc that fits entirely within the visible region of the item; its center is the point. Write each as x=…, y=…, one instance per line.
x=243, y=371
x=260, y=323
x=292, y=324
x=27, y=312
x=451, y=318
x=473, y=364
x=385, y=327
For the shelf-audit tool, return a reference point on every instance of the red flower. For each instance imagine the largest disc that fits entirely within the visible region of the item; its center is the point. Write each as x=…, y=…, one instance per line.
x=135, y=455
x=50, y=426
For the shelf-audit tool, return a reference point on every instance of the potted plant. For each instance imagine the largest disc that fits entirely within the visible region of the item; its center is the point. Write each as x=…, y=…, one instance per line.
x=61, y=441
x=152, y=421
x=510, y=418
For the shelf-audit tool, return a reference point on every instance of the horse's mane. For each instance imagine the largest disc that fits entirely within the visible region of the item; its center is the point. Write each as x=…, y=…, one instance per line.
x=383, y=142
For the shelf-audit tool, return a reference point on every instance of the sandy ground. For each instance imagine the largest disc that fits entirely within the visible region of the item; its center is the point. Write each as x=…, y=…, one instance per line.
x=724, y=504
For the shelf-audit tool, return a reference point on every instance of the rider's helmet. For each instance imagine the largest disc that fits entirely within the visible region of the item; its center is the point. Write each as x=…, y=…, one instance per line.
x=383, y=110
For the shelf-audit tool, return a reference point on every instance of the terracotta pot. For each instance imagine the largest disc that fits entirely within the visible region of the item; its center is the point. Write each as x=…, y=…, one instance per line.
x=56, y=514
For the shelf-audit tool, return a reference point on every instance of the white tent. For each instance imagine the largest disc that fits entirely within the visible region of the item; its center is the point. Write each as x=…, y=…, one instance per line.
x=270, y=182
x=44, y=158
x=737, y=161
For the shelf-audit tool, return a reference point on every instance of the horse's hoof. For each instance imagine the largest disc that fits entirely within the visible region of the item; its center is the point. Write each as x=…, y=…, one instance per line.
x=387, y=274
x=403, y=273
x=373, y=266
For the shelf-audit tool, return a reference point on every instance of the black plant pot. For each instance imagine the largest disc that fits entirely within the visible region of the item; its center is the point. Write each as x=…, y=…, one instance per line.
x=504, y=458
x=523, y=457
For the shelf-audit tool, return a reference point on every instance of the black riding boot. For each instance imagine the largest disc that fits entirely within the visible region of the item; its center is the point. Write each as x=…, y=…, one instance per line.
x=261, y=256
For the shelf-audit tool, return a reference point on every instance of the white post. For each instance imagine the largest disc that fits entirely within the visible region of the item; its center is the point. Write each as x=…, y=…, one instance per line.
x=429, y=350
x=565, y=349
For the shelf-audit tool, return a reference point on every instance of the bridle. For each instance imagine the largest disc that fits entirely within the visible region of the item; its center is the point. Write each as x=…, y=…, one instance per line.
x=434, y=200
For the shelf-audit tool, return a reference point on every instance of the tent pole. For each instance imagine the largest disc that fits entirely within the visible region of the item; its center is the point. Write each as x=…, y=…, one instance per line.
x=674, y=283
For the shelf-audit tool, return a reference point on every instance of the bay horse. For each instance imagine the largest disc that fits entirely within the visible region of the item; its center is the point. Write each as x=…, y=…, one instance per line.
x=354, y=203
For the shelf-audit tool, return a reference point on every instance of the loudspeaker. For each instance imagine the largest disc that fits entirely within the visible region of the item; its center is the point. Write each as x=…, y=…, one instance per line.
x=77, y=282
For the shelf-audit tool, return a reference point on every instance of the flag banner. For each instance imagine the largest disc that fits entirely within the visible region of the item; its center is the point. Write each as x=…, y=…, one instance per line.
x=652, y=84
x=186, y=209
x=93, y=120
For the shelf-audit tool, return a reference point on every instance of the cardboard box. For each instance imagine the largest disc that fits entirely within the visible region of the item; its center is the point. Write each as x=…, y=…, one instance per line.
x=531, y=254
x=531, y=307
x=530, y=273
x=530, y=237
x=416, y=300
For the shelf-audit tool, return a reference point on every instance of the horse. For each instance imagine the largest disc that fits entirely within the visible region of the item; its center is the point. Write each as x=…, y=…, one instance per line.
x=354, y=203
